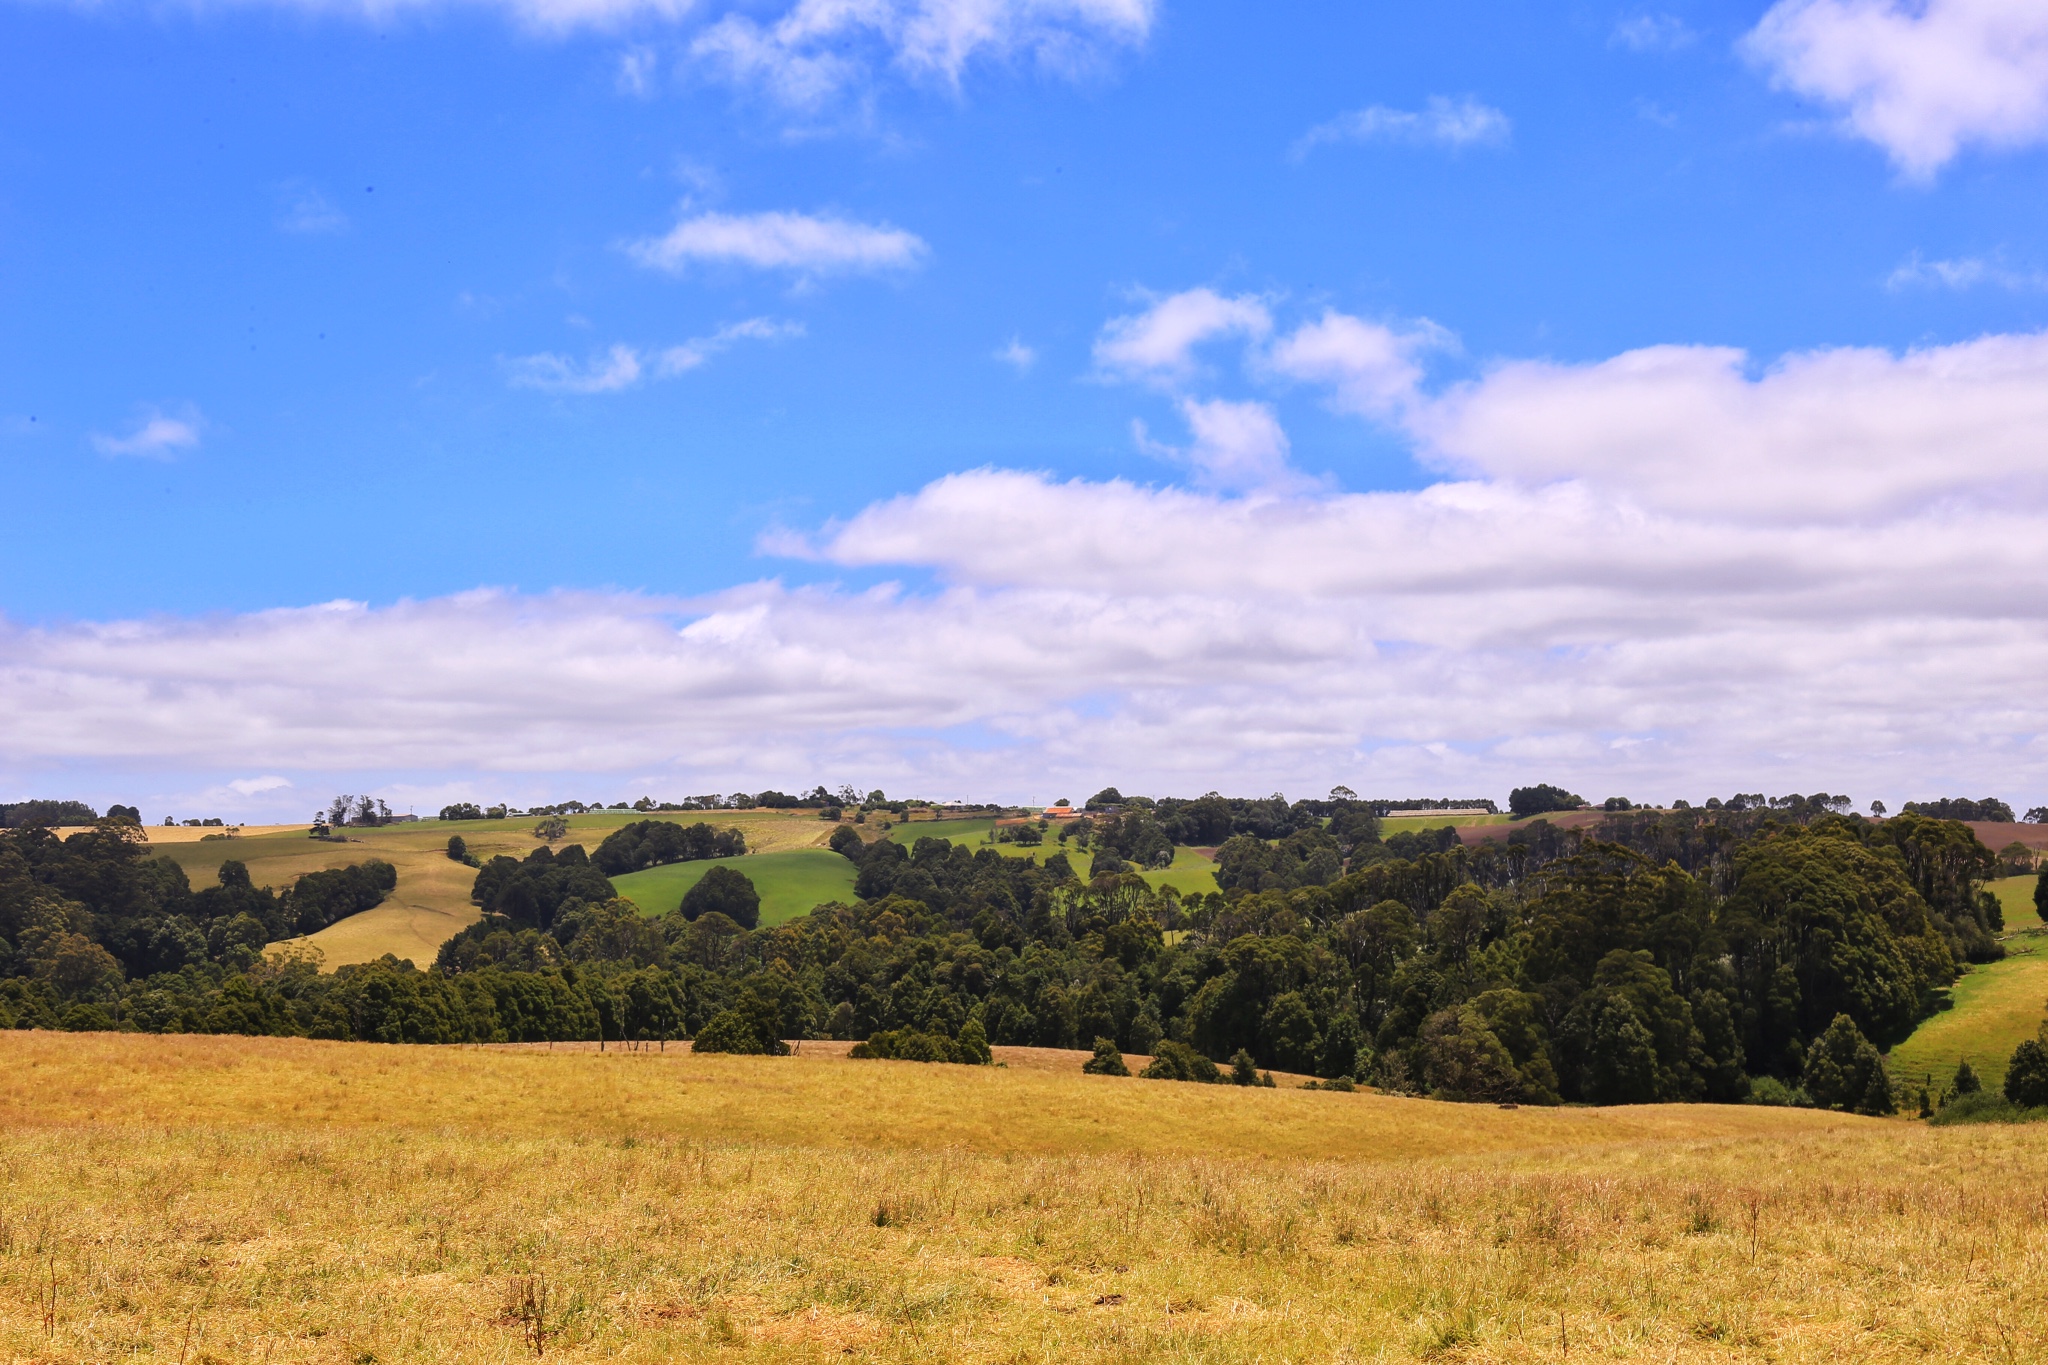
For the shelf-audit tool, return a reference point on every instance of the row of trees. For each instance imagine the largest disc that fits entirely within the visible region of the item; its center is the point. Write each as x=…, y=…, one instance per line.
x=1686, y=955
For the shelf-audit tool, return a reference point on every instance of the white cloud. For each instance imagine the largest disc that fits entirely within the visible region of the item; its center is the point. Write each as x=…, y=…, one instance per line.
x=781, y=241
x=615, y=369
x=1236, y=446
x=303, y=209
x=1370, y=368
x=155, y=437
x=252, y=786
x=1159, y=343
x=622, y=366
x=1442, y=122
x=1962, y=272
x=1652, y=33
x=1921, y=80
x=1672, y=572
x=816, y=48
x=1017, y=355
x=688, y=356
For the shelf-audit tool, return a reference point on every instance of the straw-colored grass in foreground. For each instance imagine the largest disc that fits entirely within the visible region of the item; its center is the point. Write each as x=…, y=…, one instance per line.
x=199, y=1199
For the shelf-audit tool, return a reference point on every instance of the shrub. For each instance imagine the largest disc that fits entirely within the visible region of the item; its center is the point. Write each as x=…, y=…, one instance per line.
x=847, y=843
x=744, y=1031
x=1107, y=1061
x=729, y=892
x=970, y=1048
x=1770, y=1090
x=1243, y=1070
x=1965, y=1083
x=1984, y=1107
x=1343, y=1083
x=458, y=851
x=2026, y=1075
x=1173, y=1061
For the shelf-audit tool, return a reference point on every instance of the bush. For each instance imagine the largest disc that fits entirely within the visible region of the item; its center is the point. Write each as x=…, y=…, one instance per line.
x=1243, y=1070
x=1770, y=1090
x=847, y=843
x=462, y=810
x=970, y=1048
x=458, y=851
x=1984, y=1107
x=2026, y=1075
x=1343, y=1083
x=1107, y=1061
x=743, y=1031
x=1173, y=1061
x=729, y=892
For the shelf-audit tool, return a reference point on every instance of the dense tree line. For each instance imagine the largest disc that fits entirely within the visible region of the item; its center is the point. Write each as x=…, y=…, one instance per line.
x=656, y=843
x=1705, y=953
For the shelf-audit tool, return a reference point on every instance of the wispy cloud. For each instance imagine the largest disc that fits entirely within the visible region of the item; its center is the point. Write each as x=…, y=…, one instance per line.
x=802, y=243
x=1017, y=355
x=155, y=436
x=1651, y=33
x=251, y=786
x=816, y=49
x=622, y=366
x=613, y=370
x=1441, y=122
x=1963, y=272
x=304, y=209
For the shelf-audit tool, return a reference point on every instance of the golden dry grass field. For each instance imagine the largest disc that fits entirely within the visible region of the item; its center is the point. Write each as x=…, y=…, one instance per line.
x=223, y=1199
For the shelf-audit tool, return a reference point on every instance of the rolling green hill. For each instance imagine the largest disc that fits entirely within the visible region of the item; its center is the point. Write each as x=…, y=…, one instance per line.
x=791, y=883
x=1996, y=1007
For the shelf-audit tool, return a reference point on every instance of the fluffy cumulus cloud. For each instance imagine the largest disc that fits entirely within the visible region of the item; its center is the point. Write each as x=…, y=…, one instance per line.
x=1921, y=80
x=796, y=242
x=1670, y=572
x=1159, y=342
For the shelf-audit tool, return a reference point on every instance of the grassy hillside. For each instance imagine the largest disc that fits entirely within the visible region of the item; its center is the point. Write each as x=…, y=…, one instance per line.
x=432, y=899
x=1996, y=1007
x=255, y=1199
x=791, y=883
x=1191, y=872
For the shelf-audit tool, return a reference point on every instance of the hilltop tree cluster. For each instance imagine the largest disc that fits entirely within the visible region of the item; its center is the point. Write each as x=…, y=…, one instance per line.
x=1651, y=957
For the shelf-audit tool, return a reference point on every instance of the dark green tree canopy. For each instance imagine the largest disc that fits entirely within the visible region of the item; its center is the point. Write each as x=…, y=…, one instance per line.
x=726, y=891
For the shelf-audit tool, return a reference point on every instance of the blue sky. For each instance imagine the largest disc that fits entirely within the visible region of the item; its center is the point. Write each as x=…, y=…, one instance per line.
x=313, y=302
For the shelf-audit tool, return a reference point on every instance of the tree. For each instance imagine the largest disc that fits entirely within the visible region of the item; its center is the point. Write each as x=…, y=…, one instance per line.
x=847, y=843
x=1107, y=1061
x=2026, y=1075
x=551, y=829
x=1108, y=796
x=729, y=892
x=1843, y=1071
x=462, y=810
x=1965, y=1082
x=743, y=1029
x=1541, y=799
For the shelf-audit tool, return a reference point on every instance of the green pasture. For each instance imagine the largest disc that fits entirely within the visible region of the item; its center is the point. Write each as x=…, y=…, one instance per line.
x=791, y=883
x=1996, y=1007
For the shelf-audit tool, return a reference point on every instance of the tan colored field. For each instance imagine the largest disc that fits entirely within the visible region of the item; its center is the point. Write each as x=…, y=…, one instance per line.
x=431, y=903
x=216, y=1199
x=189, y=834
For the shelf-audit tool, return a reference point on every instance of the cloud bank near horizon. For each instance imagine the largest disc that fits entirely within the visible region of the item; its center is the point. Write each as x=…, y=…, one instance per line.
x=1669, y=572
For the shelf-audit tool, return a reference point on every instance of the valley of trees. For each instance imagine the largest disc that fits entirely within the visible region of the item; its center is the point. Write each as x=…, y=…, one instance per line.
x=1748, y=949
